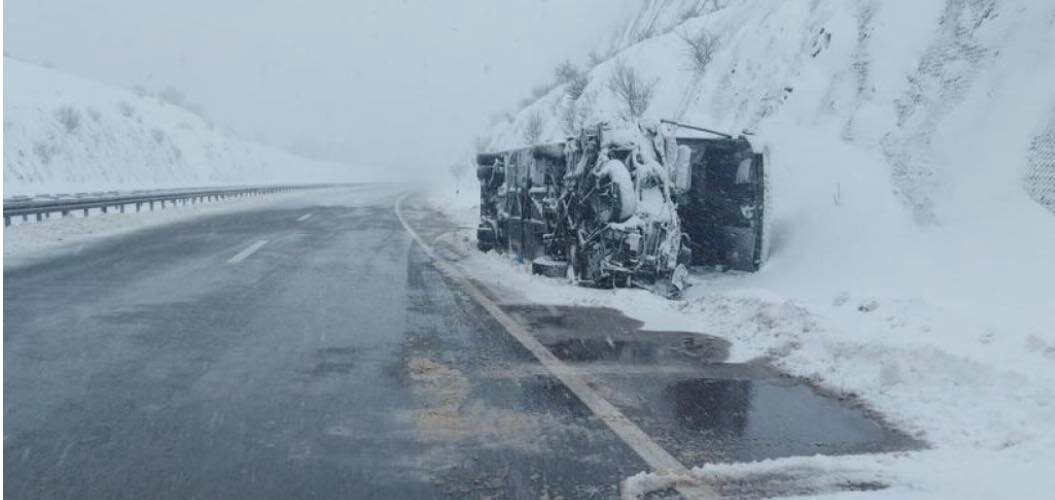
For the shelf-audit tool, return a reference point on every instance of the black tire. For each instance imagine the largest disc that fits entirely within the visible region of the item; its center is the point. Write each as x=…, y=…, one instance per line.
x=485, y=238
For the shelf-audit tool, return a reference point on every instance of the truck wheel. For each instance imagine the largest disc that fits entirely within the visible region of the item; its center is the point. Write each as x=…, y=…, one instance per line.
x=485, y=238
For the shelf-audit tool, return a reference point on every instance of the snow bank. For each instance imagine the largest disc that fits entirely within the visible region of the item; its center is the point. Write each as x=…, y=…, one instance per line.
x=912, y=176
x=63, y=133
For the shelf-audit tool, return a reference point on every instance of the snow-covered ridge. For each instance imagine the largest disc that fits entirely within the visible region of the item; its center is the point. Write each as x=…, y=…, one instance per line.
x=63, y=133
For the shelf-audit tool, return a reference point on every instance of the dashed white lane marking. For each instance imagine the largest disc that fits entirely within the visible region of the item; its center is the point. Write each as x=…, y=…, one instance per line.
x=244, y=254
x=303, y=218
x=661, y=461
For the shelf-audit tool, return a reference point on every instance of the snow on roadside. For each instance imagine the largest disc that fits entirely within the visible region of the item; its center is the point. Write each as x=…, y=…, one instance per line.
x=978, y=386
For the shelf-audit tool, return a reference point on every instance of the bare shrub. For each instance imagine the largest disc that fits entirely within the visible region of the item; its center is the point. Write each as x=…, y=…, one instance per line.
x=533, y=128
x=644, y=33
x=540, y=91
x=95, y=114
x=632, y=90
x=173, y=96
x=576, y=86
x=44, y=152
x=158, y=135
x=69, y=117
x=594, y=58
x=198, y=110
x=565, y=72
x=699, y=49
x=695, y=10
x=574, y=79
x=126, y=110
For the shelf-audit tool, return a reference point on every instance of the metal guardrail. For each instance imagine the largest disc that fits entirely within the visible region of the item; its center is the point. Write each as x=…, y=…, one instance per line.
x=41, y=209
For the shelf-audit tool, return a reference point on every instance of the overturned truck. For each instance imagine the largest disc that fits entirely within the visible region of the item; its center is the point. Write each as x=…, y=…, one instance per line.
x=626, y=206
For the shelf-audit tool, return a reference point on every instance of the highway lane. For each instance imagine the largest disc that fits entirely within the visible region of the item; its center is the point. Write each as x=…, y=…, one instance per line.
x=269, y=354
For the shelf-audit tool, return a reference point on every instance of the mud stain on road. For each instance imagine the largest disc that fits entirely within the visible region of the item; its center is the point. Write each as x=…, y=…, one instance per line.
x=450, y=415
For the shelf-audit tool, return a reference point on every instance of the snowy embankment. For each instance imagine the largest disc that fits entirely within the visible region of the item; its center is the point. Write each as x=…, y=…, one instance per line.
x=912, y=175
x=63, y=133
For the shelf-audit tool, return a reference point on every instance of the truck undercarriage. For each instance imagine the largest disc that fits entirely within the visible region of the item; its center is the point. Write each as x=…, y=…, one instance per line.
x=625, y=206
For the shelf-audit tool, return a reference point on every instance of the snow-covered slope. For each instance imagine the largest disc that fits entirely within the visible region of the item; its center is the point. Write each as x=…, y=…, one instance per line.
x=911, y=151
x=905, y=139
x=63, y=133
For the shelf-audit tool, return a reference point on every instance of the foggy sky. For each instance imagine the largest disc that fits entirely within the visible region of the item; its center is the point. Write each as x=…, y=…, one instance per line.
x=401, y=84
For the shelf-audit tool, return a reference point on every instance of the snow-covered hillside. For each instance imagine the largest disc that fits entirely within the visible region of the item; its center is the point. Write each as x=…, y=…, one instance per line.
x=909, y=142
x=64, y=133
x=911, y=150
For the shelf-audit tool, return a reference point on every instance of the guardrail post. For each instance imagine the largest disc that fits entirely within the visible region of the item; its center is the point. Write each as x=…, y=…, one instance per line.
x=122, y=208
x=7, y=220
x=86, y=211
x=103, y=208
x=40, y=217
x=65, y=213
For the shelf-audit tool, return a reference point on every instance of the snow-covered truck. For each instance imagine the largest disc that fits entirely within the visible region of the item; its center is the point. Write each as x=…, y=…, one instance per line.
x=626, y=205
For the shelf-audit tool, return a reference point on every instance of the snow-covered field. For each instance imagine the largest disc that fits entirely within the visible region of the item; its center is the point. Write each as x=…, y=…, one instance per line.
x=67, y=134
x=911, y=254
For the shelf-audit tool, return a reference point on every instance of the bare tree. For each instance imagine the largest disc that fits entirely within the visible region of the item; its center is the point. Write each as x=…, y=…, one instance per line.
x=634, y=92
x=699, y=49
x=533, y=128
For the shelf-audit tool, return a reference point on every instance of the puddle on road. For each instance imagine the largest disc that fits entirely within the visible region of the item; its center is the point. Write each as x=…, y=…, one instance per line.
x=636, y=351
x=677, y=387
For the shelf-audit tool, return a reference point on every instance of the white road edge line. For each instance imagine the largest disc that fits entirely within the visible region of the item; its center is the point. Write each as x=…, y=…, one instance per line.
x=303, y=218
x=661, y=461
x=240, y=256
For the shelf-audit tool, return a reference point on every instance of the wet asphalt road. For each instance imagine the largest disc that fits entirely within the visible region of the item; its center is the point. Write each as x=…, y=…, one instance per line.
x=335, y=362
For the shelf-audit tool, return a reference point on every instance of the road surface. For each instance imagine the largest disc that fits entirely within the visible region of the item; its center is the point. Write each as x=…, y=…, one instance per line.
x=312, y=350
